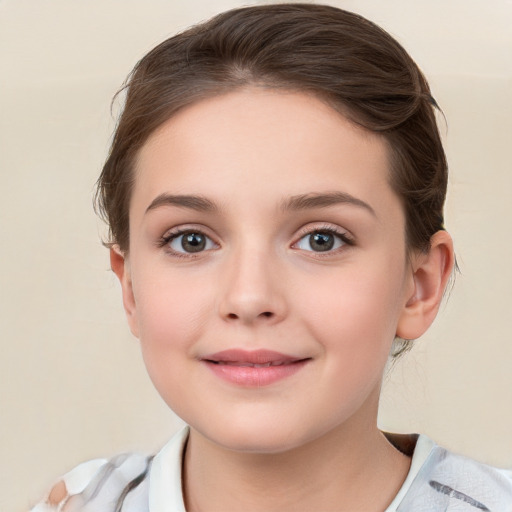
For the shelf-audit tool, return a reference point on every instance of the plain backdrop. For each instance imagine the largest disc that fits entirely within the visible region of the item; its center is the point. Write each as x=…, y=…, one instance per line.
x=73, y=385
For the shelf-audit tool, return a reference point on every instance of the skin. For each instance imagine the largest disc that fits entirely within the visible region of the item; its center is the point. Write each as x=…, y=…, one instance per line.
x=260, y=284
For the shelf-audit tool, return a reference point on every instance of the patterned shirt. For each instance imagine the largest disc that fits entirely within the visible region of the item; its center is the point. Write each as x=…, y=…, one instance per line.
x=438, y=481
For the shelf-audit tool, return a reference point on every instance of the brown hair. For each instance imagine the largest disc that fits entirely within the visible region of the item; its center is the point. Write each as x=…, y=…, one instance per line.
x=340, y=57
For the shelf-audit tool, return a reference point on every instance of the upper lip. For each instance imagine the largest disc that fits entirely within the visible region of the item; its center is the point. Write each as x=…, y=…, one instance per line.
x=251, y=357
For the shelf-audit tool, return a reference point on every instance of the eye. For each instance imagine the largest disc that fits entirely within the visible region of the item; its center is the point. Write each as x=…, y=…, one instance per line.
x=189, y=242
x=322, y=241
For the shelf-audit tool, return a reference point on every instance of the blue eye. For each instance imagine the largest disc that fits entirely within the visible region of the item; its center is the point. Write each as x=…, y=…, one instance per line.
x=190, y=242
x=321, y=241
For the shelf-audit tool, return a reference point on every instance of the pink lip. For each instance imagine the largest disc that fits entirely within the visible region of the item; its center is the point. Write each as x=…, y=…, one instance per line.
x=254, y=368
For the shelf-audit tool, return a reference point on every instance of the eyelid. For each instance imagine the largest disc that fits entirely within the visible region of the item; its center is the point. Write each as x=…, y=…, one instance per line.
x=175, y=232
x=344, y=235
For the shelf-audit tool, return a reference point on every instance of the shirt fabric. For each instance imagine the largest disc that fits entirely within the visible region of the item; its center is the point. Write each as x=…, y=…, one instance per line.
x=438, y=481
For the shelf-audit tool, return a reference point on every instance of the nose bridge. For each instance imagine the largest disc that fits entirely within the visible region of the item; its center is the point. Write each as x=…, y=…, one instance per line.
x=252, y=290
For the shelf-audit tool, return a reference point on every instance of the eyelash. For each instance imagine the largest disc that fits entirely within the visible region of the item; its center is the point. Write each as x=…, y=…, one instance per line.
x=169, y=237
x=342, y=235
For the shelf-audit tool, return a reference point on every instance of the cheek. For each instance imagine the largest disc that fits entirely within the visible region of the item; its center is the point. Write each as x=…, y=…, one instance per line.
x=170, y=313
x=354, y=325
x=356, y=312
x=170, y=320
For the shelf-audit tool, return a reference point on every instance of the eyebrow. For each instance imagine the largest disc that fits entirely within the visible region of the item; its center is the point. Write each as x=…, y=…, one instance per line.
x=323, y=200
x=192, y=202
x=298, y=202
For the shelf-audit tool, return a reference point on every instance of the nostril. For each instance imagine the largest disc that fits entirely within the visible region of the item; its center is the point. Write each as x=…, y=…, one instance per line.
x=264, y=314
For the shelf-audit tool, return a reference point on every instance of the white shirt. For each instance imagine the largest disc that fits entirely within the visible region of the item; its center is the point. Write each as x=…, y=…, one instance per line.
x=438, y=481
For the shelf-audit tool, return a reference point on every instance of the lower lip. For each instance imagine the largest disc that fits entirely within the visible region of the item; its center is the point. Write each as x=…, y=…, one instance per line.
x=251, y=376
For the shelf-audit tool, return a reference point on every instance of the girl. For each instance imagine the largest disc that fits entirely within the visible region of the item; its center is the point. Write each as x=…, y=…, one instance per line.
x=275, y=193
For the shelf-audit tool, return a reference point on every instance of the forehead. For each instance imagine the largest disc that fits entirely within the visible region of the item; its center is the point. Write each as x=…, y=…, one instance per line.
x=260, y=142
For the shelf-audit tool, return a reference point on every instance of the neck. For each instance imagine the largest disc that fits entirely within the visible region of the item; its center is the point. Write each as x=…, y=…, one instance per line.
x=352, y=467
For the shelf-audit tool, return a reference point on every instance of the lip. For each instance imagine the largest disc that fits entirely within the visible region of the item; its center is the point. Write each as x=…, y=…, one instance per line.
x=255, y=368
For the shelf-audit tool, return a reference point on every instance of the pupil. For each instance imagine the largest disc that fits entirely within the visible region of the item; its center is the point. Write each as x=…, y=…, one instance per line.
x=321, y=241
x=193, y=242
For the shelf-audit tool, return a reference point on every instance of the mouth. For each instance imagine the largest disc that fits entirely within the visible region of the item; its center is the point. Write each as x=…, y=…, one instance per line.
x=253, y=368
x=252, y=365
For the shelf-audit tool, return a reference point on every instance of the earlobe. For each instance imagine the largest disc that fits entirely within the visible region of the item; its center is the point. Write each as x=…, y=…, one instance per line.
x=430, y=274
x=121, y=268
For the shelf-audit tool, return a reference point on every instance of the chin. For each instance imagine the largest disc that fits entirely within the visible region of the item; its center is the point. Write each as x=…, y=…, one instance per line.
x=260, y=443
x=257, y=437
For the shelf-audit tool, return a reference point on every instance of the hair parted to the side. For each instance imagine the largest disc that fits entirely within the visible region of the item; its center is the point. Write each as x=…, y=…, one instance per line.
x=338, y=56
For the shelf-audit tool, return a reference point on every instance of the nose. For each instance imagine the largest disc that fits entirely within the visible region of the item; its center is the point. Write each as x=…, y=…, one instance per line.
x=253, y=290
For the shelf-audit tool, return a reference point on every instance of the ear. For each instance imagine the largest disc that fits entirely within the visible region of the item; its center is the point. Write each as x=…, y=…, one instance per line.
x=430, y=274
x=121, y=267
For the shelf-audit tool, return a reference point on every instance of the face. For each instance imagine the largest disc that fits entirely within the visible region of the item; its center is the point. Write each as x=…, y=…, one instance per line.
x=267, y=269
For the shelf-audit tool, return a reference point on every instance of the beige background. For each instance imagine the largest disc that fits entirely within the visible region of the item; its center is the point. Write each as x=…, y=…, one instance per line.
x=73, y=386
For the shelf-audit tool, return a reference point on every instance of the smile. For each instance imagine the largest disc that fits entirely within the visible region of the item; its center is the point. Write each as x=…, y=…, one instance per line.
x=253, y=365
x=253, y=368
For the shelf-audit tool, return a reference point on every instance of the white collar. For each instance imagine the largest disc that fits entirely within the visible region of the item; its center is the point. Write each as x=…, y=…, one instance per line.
x=165, y=480
x=422, y=450
x=165, y=486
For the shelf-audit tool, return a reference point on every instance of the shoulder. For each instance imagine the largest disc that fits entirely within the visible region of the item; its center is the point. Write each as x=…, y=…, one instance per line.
x=445, y=480
x=122, y=482
x=100, y=483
